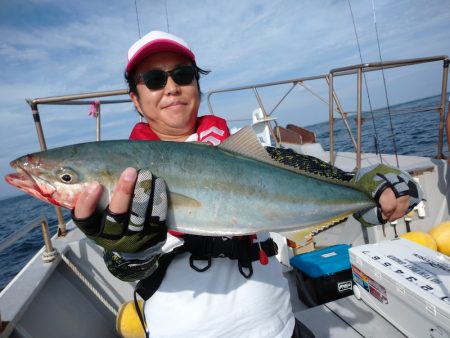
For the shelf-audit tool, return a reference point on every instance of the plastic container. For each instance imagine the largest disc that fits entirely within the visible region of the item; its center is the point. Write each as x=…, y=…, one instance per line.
x=406, y=283
x=323, y=275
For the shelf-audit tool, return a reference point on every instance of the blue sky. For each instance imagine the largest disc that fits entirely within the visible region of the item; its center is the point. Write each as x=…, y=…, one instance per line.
x=57, y=47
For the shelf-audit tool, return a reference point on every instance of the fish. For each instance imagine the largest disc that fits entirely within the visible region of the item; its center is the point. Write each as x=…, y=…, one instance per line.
x=235, y=188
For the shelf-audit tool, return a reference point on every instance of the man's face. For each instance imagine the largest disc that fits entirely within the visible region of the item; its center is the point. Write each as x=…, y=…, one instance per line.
x=171, y=111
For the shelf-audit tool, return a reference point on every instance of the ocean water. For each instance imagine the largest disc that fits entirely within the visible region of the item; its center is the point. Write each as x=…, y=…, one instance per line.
x=414, y=129
x=18, y=212
x=415, y=133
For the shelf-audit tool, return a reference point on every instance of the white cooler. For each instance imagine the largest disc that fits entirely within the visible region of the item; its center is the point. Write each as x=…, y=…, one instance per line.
x=406, y=283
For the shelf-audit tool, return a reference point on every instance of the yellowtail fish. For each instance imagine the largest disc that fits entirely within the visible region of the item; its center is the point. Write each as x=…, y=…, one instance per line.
x=236, y=188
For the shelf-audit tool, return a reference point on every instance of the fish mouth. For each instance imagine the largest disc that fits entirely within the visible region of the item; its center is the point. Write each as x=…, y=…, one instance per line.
x=27, y=182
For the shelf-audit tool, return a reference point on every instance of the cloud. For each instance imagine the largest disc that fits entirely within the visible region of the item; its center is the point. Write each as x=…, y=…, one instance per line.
x=13, y=54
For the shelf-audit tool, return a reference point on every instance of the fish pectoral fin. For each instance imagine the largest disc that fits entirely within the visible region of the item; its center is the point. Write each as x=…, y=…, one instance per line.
x=301, y=237
x=182, y=201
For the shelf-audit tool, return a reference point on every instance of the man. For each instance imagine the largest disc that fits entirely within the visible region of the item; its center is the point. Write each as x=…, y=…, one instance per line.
x=221, y=298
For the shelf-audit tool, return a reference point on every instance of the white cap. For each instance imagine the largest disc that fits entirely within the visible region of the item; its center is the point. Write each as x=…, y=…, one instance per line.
x=155, y=42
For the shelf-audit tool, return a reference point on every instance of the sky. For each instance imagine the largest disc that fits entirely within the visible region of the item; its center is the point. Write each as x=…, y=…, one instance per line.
x=60, y=47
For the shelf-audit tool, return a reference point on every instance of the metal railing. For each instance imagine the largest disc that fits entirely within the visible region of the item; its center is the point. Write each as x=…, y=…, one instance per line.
x=377, y=66
x=294, y=82
x=75, y=99
x=334, y=104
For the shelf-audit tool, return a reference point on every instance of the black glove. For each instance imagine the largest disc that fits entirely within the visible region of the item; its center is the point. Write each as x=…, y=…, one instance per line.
x=141, y=227
x=376, y=179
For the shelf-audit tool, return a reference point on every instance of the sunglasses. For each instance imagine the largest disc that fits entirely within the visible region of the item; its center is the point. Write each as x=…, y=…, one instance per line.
x=157, y=78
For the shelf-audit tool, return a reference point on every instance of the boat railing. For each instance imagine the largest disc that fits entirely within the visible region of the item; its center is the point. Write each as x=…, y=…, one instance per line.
x=49, y=253
x=267, y=114
x=381, y=66
x=334, y=104
x=75, y=99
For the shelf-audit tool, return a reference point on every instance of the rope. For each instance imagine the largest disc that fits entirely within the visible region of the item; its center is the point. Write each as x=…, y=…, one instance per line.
x=88, y=284
x=377, y=146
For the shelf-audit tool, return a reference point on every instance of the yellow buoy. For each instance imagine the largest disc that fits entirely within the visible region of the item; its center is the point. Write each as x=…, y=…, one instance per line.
x=441, y=234
x=128, y=324
x=421, y=238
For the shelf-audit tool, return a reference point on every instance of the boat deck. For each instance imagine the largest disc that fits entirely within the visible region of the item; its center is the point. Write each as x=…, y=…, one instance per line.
x=51, y=301
x=346, y=317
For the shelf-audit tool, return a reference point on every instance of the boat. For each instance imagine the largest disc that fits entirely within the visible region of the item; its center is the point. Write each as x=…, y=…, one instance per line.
x=65, y=290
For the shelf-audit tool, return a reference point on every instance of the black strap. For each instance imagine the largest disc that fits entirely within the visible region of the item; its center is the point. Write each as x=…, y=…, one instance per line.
x=244, y=257
x=208, y=246
x=140, y=315
x=203, y=248
x=148, y=286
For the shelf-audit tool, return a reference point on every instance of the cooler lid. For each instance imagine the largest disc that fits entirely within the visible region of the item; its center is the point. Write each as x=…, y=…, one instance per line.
x=420, y=272
x=323, y=262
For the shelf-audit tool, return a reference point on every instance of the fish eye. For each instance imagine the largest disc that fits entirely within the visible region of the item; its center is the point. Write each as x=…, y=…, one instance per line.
x=67, y=175
x=66, y=178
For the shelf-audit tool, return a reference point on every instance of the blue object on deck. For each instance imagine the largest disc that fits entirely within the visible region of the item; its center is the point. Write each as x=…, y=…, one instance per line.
x=323, y=262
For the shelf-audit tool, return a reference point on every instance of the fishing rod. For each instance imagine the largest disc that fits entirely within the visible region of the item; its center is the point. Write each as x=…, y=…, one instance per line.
x=378, y=150
x=394, y=143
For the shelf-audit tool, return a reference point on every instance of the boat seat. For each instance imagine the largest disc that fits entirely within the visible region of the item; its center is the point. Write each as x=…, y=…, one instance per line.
x=289, y=136
x=295, y=134
x=307, y=136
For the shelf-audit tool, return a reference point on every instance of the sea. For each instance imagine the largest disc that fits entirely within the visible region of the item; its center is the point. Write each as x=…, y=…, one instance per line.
x=409, y=129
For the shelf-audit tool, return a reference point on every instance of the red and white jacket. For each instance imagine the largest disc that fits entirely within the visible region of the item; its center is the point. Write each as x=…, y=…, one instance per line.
x=209, y=128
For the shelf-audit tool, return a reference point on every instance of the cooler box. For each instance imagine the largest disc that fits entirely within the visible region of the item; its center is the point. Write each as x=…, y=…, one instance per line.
x=406, y=283
x=323, y=275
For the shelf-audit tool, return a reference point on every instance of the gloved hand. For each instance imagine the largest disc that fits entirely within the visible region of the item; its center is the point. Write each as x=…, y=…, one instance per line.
x=138, y=228
x=376, y=180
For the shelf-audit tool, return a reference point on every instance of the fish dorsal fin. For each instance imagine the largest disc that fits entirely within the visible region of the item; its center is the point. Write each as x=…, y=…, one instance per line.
x=245, y=142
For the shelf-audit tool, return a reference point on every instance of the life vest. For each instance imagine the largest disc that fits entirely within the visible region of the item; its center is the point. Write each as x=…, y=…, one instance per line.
x=209, y=128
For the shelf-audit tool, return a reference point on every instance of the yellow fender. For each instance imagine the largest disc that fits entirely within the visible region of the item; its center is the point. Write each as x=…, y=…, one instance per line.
x=128, y=324
x=421, y=238
x=441, y=234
